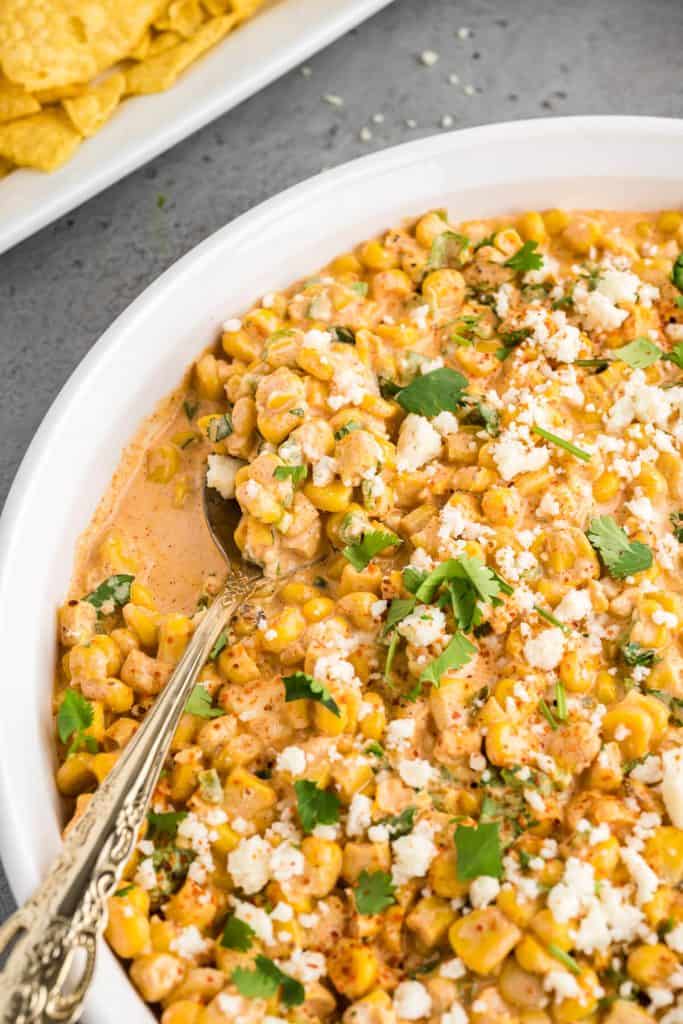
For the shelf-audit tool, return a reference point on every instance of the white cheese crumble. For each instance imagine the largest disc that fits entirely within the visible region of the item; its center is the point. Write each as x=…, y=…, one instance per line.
x=221, y=473
x=418, y=443
x=423, y=626
x=249, y=864
x=413, y=854
x=292, y=760
x=360, y=815
x=412, y=1000
x=545, y=650
x=415, y=772
x=483, y=891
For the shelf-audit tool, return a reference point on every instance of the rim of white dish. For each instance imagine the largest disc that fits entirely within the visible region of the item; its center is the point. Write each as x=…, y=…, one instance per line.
x=19, y=847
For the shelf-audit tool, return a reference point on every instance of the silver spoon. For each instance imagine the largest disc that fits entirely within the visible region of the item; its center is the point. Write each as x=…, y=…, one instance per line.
x=52, y=938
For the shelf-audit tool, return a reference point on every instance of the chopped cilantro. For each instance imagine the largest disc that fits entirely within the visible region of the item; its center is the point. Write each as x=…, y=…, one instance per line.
x=348, y=428
x=634, y=653
x=478, y=851
x=391, y=654
x=578, y=453
x=620, y=556
x=525, y=259
x=446, y=250
x=481, y=414
x=343, y=334
x=316, y=806
x=75, y=715
x=639, y=353
x=677, y=272
x=199, y=704
x=561, y=701
x=124, y=892
x=237, y=934
x=190, y=407
x=457, y=654
x=388, y=388
x=375, y=749
x=511, y=339
x=264, y=981
x=675, y=356
x=115, y=590
x=413, y=578
x=300, y=686
x=400, y=824
x=468, y=581
x=294, y=473
x=374, y=892
x=431, y=393
x=299, y=413
x=361, y=554
x=164, y=823
x=220, y=645
x=219, y=427
x=676, y=520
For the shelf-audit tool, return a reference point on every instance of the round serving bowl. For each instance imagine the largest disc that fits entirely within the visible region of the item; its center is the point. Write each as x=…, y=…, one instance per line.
x=621, y=163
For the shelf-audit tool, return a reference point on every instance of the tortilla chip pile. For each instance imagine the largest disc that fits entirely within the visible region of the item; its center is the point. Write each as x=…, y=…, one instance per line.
x=65, y=65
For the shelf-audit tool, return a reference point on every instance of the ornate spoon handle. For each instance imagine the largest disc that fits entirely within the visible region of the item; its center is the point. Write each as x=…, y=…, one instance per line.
x=54, y=935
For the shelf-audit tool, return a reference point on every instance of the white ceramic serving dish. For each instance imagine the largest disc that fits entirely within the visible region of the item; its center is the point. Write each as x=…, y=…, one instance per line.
x=619, y=163
x=278, y=38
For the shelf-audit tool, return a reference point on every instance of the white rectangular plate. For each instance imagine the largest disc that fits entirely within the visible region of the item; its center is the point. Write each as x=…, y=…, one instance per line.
x=251, y=57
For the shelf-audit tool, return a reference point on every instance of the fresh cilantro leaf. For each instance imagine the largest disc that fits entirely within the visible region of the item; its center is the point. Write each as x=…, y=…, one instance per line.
x=490, y=809
x=343, y=334
x=220, y=645
x=348, y=428
x=578, y=453
x=413, y=578
x=294, y=473
x=446, y=250
x=300, y=686
x=525, y=859
x=264, y=981
x=465, y=330
x=74, y=716
x=190, y=408
x=164, y=823
x=525, y=259
x=489, y=240
x=639, y=353
x=564, y=958
x=375, y=749
x=676, y=519
x=482, y=580
x=620, y=556
x=219, y=427
x=400, y=824
x=316, y=806
x=361, y=554
x=478, y=851
x=374, y=892
x=431, y=393
x=511, y=339
x=171, y=864
x=634, y=653
x=237, y=934
x=457, y=654
x=115, y=590
x=399, y=608
x=675, y=356
x=679, y=301
x=677, y=272
x=199, y=703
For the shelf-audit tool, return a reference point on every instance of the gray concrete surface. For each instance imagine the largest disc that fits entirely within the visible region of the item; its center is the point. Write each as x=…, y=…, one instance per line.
x=524, y=58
